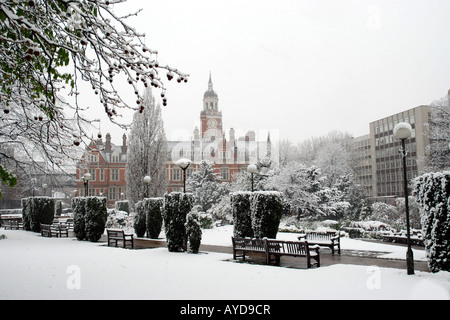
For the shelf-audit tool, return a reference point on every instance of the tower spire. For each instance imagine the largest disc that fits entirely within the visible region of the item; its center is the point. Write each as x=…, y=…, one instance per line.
x=210, y=84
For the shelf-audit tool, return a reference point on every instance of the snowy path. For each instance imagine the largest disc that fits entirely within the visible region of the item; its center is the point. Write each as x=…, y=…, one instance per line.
x=34, y=267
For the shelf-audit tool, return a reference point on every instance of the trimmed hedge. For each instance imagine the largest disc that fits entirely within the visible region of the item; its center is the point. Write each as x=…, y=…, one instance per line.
x=193, y=231
x=433, y=196
x=148, y=217
x=242, y=215
x=95, y=218
x=176, y=206
x=257, y=214
x=37, y=210
x=267, y=209
x=79, y=211
x=140, y=227
x=90, y=215
x=154, y=217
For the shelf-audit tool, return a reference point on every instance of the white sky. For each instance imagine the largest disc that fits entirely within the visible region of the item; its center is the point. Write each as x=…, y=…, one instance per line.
x=302, y=68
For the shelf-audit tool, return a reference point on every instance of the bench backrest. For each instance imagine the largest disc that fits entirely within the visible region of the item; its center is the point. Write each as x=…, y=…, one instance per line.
x=320, y=235
x=115, y=233
x=289, y=247
x=249, y=244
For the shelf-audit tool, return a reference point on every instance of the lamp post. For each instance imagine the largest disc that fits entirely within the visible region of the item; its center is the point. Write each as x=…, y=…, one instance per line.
x=252, y=168
x=403, y=131
x=87, y=176
x=147, y=180
x=184, y=163
x=33, y=183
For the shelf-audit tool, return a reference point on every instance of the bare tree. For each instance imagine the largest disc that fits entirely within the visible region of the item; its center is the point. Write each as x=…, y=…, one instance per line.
x=147, y=152
x=47, y=49
x=439, y=134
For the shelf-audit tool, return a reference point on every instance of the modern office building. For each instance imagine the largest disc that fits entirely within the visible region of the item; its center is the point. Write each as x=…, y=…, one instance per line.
x=379, y=167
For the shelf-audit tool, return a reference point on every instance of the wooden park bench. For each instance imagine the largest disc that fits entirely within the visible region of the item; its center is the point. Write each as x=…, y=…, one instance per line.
x=276, y=248
x=12, y=225
x=323, y=239
x=116, y=236
x=245, y=245
x=47, y=230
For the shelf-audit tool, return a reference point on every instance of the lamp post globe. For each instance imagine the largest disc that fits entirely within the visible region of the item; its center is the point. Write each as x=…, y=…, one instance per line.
x=184, y=163
x=403, y=131
x=252, y=169
x=147, y=180
x=87, y=176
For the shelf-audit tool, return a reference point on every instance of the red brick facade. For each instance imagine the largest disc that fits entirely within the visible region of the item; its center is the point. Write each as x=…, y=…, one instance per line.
x=107, y=164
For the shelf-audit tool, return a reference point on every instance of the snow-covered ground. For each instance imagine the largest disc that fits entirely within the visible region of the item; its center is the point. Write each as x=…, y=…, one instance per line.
x=34, y=267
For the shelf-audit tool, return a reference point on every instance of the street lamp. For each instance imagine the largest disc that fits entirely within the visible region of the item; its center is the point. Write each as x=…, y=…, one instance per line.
x=403, y=131
x=87, y=176
x=44, y=187
x=147, y=180
x=252, y=169
x=184, y=163
x=33, y=183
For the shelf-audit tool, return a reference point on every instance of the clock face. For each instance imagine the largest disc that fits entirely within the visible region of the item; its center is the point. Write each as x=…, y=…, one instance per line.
x=212, y=123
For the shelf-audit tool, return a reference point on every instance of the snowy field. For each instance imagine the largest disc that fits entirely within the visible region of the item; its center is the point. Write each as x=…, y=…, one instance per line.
x=34, y=267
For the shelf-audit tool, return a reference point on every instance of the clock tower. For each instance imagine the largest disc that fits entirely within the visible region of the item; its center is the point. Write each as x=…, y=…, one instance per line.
x=211, y=117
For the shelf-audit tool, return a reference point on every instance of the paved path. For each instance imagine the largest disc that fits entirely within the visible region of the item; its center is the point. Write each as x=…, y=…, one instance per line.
x=326, y=258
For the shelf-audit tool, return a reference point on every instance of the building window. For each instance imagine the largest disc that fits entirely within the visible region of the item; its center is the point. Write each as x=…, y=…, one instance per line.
x=225, y=173
x=102, y=174
x=92, y=172
x=112, y=193
x=115, y=174
x=176, y=176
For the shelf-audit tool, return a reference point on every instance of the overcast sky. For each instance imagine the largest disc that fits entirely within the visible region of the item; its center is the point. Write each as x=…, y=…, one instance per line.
x=300, y=68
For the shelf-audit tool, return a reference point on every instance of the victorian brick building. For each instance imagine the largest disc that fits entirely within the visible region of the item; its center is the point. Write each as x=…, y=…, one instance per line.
x=229, y=155
x=106, y=164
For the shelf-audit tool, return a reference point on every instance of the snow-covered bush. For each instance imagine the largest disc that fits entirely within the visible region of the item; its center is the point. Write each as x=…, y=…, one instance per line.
x=267, y=209
x=154, y=218
x=193, y=231
x=58, y=208
x=37, y=210
x=140, y=217
x=384, y=212
x=79, y=211
x=241, y=209
x=119, y=220
x=123, y=206
x=95, y=218
x=432, y=191
x=176, y=206
x=90, y=215
x=222, y=210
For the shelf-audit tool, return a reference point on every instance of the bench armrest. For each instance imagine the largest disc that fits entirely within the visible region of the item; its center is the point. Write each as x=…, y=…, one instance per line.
x=301, y=236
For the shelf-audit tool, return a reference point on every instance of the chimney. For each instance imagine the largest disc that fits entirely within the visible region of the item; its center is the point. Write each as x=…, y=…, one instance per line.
x=108, y=143
x=124, y=143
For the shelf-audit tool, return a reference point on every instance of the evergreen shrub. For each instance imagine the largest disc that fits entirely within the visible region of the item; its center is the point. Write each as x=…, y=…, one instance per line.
x=193, y=231
x=95, y=218
x=154, y=218
x=90, y=215
x=141, y=209
x=432, y=191
x=37, y=210
x=79, y=211
x=241, y=210
x=267, y=209
x=176, y=206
